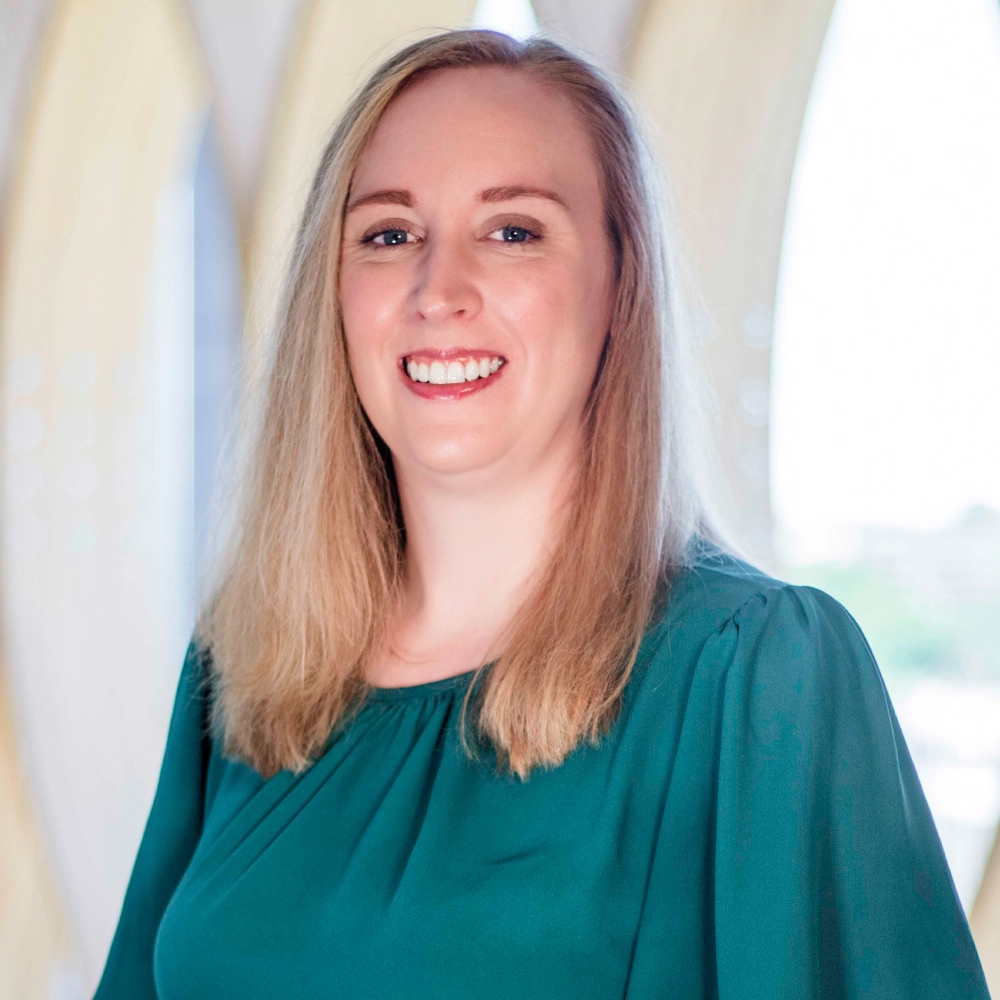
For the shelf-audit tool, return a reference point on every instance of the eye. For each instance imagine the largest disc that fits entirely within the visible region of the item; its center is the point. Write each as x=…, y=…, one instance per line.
x=388, y=237
x=513, y=234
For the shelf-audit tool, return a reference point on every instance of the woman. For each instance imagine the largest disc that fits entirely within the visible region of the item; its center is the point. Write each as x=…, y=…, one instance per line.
x=492, y=716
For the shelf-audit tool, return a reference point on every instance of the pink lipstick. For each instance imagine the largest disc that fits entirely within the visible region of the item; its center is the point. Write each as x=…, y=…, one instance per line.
x=450, y=374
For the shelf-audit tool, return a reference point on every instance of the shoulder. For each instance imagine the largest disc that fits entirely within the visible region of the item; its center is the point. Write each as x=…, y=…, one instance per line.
x=717, y=591
x=194, y=701
x=195, y=682
x=754, y=633
x=774, y=683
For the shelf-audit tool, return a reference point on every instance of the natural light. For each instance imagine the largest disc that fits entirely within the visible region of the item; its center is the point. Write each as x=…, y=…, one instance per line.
x=512, y=17
x=885, y=441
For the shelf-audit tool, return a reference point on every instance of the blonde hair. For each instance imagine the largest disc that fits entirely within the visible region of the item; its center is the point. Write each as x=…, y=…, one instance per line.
x=314, y=565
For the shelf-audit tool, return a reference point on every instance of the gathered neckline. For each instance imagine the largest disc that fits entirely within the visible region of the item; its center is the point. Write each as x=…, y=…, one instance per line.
x=446, y=685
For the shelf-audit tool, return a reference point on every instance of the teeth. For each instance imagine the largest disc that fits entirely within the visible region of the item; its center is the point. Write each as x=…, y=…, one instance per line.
x=439, y=373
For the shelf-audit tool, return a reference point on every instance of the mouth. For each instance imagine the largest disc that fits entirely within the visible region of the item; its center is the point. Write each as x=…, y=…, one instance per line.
x=451, y=374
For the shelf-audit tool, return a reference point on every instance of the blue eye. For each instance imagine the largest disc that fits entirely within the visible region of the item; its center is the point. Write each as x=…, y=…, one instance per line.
x=390, y=237
x=515, y=234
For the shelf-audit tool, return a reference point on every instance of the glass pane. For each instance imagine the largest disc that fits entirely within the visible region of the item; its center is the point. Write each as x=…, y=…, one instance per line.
x=886, y=419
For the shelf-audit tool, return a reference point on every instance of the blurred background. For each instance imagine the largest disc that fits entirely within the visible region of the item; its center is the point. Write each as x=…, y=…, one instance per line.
x=835, y=170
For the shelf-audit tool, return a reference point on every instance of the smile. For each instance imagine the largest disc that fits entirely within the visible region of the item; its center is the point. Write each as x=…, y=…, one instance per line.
x=452, y=372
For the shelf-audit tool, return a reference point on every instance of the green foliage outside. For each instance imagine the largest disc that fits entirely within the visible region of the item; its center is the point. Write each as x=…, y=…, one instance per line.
x=912, y=638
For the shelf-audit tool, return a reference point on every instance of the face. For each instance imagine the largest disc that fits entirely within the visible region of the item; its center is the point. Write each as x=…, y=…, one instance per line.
x=476, y=275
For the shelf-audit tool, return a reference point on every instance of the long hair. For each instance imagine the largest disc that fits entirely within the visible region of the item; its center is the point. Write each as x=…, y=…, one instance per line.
x=316, y=559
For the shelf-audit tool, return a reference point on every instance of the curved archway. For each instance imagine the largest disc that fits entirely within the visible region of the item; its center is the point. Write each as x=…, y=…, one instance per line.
x=97, y=354
x=725, y=84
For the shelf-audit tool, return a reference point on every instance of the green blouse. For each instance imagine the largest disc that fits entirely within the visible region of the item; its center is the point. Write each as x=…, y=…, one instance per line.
x=752, y=827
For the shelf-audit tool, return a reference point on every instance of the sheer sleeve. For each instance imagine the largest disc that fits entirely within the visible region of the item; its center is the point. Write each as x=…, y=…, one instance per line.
x=171, y=834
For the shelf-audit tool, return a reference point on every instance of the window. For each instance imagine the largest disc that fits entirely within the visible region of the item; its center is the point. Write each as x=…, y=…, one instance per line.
x=885, y=444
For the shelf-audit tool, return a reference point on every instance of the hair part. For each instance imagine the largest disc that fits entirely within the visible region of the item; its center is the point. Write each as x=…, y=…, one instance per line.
x=314, y=566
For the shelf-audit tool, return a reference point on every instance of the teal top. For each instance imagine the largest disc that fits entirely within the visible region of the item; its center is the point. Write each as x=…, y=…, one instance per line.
x=751, y=828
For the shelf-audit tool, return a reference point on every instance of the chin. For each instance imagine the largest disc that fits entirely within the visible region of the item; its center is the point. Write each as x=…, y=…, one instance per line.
x=450, y=453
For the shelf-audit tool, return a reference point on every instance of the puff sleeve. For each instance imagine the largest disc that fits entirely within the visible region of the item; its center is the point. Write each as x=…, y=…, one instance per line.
x=824, y=875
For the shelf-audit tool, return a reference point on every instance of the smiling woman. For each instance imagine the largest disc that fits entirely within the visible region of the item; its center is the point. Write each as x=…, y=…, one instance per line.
x=435, y=163
x=499, y=257
x=480, y=706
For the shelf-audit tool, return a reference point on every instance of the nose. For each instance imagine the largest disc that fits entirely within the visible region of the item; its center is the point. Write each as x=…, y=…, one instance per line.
x=446, y=289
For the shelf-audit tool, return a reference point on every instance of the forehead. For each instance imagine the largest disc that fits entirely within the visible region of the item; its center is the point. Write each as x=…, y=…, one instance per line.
x=479, y=127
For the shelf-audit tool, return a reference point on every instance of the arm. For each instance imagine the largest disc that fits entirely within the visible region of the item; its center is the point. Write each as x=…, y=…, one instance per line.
x=169, y=840
x=830, y=878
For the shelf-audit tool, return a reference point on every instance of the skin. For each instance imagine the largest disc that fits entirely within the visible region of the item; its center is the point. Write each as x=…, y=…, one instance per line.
x=512, y=273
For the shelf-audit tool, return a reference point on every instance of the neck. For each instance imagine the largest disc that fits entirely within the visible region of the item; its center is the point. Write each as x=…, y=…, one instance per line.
x=472, y=553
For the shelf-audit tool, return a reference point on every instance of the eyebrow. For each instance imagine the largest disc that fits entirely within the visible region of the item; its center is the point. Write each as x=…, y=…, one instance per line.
x=489, y=196
x=386, y=197
x=511, y=191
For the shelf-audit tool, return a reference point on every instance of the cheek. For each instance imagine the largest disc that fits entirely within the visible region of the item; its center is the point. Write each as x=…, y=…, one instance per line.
x=371, y=304
x=570, y=343
x=367, y=319
x=369, y=301
x=559, y=313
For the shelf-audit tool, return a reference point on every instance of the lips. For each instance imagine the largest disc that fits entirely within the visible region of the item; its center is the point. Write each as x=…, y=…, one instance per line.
x=450, y=374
